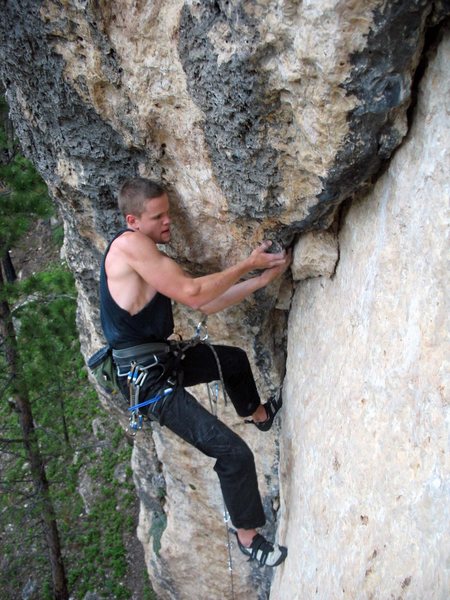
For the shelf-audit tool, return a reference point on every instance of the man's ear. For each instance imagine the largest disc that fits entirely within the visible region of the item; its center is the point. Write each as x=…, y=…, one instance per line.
x=132, y=221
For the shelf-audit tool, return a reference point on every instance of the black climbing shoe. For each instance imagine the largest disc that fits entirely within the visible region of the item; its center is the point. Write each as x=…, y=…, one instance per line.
x=263, y=551
x=272, y=407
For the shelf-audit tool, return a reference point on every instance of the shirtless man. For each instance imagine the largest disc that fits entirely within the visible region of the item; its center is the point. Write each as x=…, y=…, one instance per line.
x=137, y=286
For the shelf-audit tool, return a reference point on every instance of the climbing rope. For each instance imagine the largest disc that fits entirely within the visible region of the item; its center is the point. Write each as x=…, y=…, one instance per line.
x=202, y=326
x=202, y=335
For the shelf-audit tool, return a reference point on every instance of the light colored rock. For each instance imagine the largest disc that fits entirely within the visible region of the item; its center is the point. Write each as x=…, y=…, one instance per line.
x=99, y=429
x=284, y=295
x=315, y=254
x=87, y=489
x=91, y=596
x=30, y=590
x=365, y=471
x=120, y=472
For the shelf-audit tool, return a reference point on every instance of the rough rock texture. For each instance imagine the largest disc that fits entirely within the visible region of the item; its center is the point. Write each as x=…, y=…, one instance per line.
x=365, y=468
x=261, y=116
x=316, y=253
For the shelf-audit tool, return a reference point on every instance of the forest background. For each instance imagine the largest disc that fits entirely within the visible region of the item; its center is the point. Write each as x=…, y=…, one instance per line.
x=86, y=458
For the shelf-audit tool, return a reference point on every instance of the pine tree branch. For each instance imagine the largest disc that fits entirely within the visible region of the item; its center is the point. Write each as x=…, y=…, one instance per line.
x=41, y=299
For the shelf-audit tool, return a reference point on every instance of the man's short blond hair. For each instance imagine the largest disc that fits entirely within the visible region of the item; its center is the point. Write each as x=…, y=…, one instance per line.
x=135, y=192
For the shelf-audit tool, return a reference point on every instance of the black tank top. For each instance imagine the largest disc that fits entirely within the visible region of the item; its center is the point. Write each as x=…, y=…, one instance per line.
x=153, y=323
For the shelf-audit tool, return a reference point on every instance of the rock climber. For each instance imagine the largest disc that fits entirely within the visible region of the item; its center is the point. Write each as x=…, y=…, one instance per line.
x=138, y=283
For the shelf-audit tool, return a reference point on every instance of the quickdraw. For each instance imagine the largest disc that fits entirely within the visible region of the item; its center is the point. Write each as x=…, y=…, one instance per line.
x=136, y=418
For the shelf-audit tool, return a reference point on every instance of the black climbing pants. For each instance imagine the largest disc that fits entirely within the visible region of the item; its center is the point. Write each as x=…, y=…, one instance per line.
x=187, y=418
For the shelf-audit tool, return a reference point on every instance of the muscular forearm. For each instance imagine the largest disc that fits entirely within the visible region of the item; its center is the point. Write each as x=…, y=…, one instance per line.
x=209, y=289
x=216, y=287
x=241, y=290
x=233, y=295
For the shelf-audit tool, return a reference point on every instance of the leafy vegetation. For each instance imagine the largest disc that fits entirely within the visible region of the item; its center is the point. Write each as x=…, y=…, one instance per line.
x=23, y=193
x=87, y=467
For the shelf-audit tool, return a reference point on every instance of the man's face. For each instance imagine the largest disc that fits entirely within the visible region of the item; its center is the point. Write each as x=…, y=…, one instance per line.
x=154, y=221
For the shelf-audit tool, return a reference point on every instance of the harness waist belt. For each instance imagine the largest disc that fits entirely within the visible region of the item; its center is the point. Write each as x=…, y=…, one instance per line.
x=140, y=352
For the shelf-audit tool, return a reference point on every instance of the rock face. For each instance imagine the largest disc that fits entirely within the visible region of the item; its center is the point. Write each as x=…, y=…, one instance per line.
x=261, y=117
x=316, y=254
x=366, y=506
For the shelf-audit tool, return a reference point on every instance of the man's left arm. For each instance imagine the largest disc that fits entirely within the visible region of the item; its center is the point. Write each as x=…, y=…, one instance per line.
x=240, y=291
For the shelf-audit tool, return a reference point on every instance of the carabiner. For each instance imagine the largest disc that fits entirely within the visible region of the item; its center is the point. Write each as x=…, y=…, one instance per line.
x=202, y=326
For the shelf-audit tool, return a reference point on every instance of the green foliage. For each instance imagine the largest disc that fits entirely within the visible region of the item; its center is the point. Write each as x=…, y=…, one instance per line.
x=100, y=561
x=47, y=332
x=23, y=196
x=23, y=193
x=64, y=405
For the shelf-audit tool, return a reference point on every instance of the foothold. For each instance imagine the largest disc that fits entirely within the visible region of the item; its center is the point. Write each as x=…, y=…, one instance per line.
x=406, y=582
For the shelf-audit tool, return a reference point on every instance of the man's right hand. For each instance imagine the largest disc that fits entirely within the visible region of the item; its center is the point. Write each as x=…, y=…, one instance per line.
x=270, y=274
x=261, y=259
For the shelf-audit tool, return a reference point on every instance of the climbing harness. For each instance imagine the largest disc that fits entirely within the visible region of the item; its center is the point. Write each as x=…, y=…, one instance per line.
x=144, y=358
x=136, y=378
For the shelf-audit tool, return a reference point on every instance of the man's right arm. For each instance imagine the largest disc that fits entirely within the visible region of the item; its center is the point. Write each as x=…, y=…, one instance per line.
x=166, y=276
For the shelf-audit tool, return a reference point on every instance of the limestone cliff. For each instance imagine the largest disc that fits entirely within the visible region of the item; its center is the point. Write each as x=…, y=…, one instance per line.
x=366, y=506
x=263, y=117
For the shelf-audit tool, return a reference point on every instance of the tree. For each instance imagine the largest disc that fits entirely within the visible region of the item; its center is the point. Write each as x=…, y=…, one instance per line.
x=23, y=196
x=80, y=447
x=30, y=442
